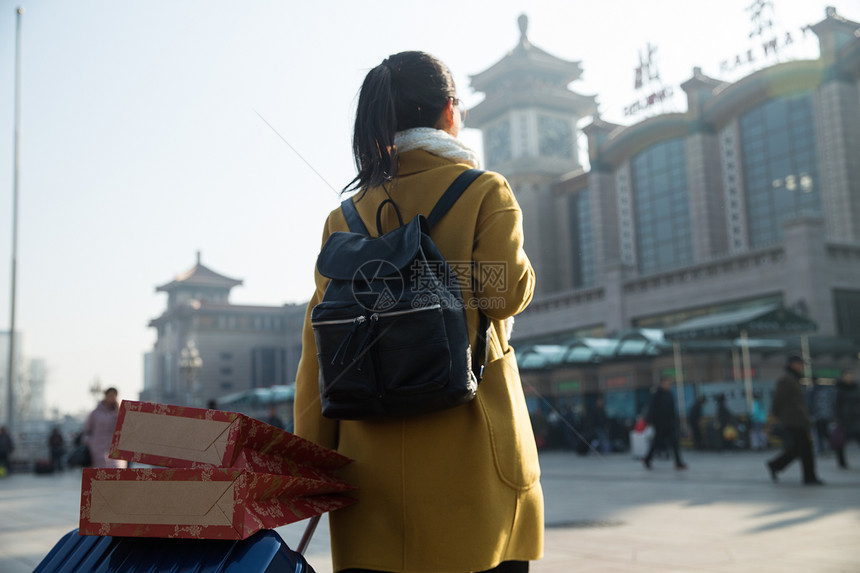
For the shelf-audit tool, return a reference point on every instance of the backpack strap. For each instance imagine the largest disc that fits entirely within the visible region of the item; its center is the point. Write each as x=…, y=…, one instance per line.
x=455, y=190
x=481, y=351
x=353, y=219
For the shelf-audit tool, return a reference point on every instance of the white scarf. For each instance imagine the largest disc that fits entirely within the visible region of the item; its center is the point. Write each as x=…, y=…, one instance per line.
x=437, y=142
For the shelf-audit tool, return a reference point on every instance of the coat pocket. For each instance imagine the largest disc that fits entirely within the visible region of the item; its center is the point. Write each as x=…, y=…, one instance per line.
x=511, y=437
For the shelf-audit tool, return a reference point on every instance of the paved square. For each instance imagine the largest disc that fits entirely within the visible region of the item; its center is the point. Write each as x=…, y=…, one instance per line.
x=606, y=515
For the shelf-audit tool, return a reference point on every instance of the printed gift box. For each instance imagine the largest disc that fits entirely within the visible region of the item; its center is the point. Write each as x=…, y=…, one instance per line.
x=200, y=503
x=177, y=437
x=224, y=475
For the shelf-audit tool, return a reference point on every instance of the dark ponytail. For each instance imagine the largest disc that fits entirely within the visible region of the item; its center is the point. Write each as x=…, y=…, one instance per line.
x=409, y=89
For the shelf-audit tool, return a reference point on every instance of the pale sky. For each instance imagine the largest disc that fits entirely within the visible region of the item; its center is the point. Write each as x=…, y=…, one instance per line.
x=141, y=143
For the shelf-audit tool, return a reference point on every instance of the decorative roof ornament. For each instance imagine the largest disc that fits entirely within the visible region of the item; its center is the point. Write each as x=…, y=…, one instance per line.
x=523, y=22
x=199, y=276
x=528, y=77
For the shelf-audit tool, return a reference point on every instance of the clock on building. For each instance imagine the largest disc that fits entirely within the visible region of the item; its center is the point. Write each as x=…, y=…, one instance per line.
x=555, y=137
x=498, y=143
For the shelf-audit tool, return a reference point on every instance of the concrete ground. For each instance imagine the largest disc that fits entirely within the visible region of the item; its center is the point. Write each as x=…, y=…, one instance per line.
x=606, y=515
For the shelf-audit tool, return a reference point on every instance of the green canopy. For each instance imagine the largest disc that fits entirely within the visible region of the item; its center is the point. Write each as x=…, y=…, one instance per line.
x=759, y=321
x=259, y=397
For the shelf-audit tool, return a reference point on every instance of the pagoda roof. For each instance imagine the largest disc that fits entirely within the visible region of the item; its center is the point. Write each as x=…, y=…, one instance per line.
x=836, y=23
x=199, y=276
x=526, y=57
x=702, y=81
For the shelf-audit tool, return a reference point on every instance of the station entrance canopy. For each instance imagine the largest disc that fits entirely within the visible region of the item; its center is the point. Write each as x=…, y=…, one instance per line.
x=771, y=319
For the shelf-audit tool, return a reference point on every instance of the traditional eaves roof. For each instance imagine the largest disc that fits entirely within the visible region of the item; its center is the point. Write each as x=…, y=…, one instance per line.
x=835, y=22
x=199, y=276
x=702, y=81
x=526, y=57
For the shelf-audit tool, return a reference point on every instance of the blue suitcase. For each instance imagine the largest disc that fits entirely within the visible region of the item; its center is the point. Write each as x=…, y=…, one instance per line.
x=263, y=552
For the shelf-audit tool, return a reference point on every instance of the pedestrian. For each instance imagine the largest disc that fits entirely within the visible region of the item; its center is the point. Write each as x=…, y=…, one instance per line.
x=7, y=446
x=598, y=425
x=758, y=420
x=847, y=413
x=57, y=447
x=456, y=490
x=789, y=407
x=821, y=401
x=694, y=420
x=663, y=417
x=273, y=419
x=98, y=431
x=727, y=433
x=540, y=428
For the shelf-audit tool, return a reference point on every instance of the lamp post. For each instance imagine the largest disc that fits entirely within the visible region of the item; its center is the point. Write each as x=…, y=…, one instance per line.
x=96, y=389
x=10, y=370
x=189, y=364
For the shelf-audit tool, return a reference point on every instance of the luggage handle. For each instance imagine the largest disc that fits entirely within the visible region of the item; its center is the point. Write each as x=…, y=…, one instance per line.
x=306, y=536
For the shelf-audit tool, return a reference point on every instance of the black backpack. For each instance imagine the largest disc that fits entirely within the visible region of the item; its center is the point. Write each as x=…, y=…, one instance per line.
x=391, y=332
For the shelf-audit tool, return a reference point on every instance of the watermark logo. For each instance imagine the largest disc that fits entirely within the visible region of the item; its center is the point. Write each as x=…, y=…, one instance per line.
x=377, y=285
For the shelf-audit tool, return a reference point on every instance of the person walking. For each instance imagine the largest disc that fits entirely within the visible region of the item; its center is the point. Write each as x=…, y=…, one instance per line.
x=694, y=420
x=821, y=403
x=664, y=419
x=598, y=425
x=789, y=408
x=7, y=446
x=273, y=419
x=457, y=490
x=847, y=413
x=98, y=431
x=758, y=419
x=724, y=421
x=57, y=447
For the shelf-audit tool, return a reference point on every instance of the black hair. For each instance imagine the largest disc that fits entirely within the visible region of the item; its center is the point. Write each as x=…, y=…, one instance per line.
x=409, y=89
x=111, y=389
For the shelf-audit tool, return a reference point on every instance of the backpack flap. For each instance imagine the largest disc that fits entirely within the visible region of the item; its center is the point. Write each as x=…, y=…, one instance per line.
x=345, y=254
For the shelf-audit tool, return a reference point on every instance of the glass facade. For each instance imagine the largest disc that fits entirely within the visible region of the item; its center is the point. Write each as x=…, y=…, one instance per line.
x=847, y=311
x=582, y=238
x=662, y=207
x=780, y=166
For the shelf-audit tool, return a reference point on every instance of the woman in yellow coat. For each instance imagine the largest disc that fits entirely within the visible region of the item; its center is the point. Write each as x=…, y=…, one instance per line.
x=456, y=491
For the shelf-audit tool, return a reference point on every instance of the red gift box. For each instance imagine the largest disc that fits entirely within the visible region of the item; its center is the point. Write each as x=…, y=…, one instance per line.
x=224, y=476
x=199, y=503
x=177, y=437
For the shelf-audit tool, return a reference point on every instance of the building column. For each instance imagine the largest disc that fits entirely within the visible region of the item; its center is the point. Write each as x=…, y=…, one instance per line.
x=734, y=190
x=837, y=115
x=806, y=271
x=604, y=217
x=538, y=204
x=564, y=242
x=616, y=315
x=707, y=202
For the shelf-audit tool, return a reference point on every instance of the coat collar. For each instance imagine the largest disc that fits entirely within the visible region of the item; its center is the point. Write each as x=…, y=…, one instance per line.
x=418, y=160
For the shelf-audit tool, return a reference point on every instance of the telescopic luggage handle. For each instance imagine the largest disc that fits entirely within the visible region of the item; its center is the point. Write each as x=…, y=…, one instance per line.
x=309, y=532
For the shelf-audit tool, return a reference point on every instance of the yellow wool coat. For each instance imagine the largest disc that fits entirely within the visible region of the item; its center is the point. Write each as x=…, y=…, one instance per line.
x=459, y=490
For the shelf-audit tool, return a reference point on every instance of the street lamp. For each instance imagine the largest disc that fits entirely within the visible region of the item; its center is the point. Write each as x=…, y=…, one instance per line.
x=96, y=389
x=189, y=364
